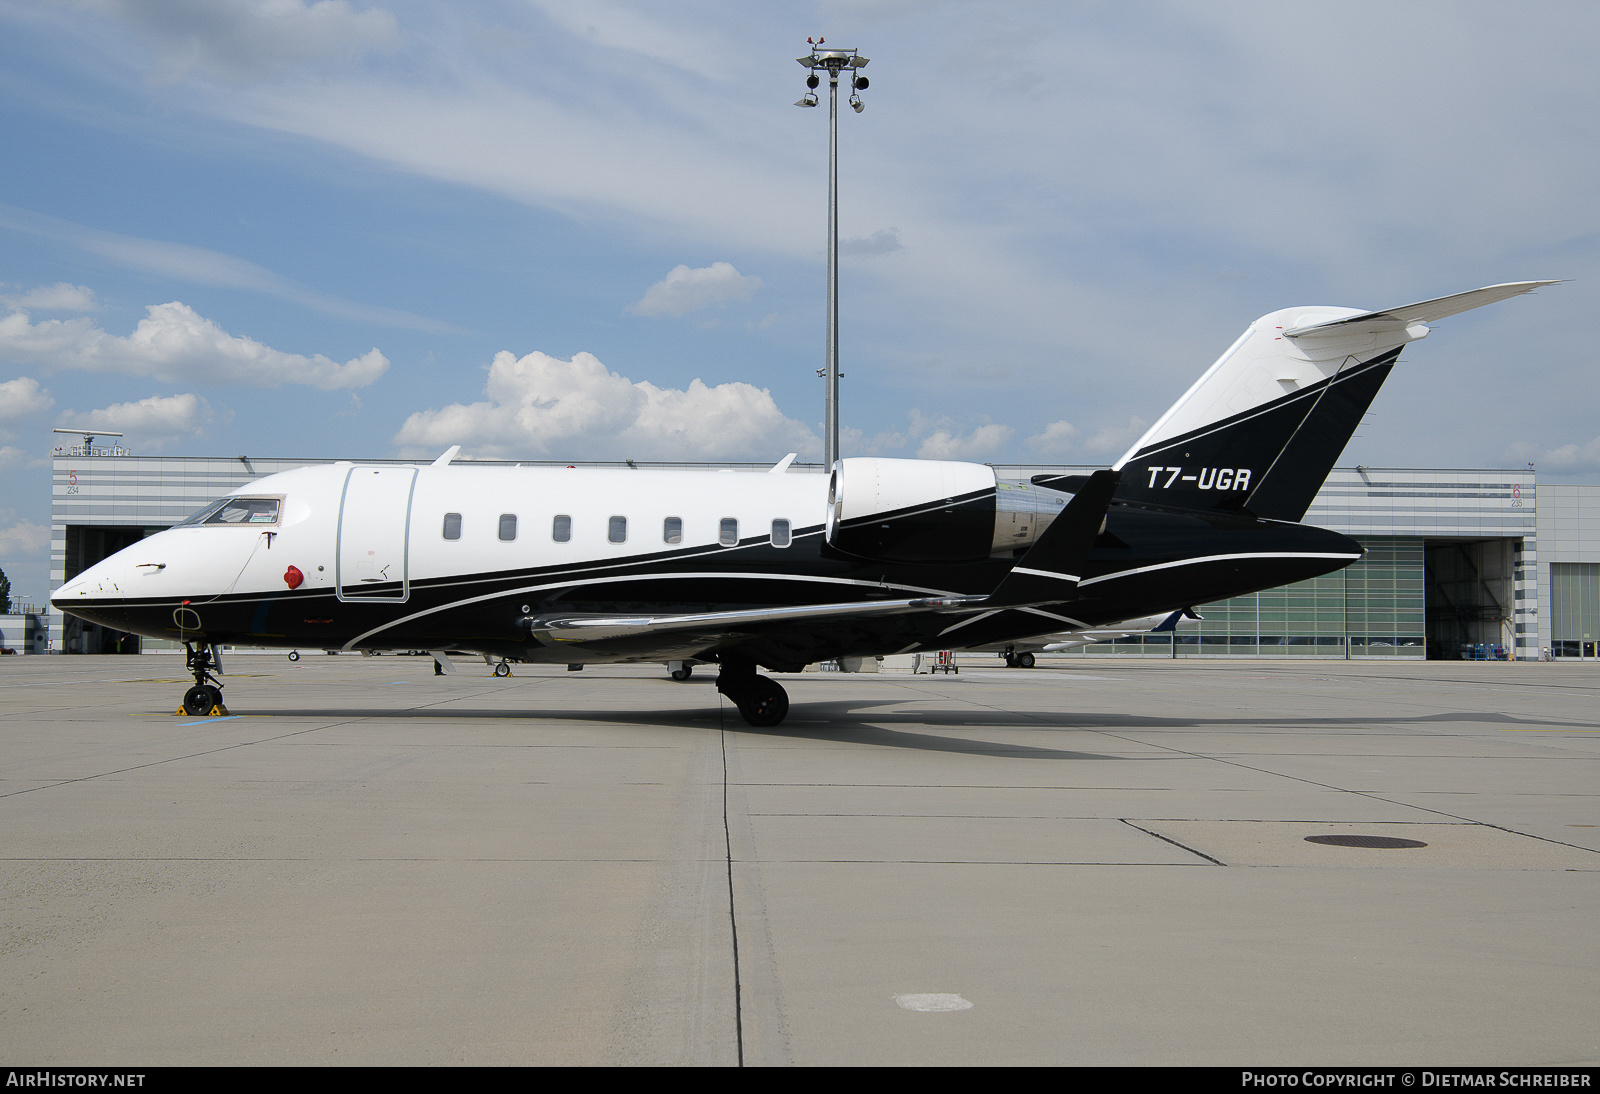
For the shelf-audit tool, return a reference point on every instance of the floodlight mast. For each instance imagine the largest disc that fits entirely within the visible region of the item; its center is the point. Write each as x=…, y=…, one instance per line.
x=833, y=61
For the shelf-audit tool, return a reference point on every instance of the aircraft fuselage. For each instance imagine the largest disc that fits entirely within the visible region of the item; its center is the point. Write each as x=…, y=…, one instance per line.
x=465, y=557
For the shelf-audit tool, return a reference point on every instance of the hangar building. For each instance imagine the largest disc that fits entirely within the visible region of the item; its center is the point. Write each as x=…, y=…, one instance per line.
x=1460, y=562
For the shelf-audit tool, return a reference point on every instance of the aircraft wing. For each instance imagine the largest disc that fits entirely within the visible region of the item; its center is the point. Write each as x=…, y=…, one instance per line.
x=592, y=628
x=1425, y=311
x=1047, y=574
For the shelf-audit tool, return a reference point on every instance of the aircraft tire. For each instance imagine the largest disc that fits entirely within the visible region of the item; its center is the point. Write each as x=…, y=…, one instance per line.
x=1025, y=660
x=294, y=655
x=199, y=700
x=764, y=703
x=502, y=669
x=682, y=674
x=1011, y=660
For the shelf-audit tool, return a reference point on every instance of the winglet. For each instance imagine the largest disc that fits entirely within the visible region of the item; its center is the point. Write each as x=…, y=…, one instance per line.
x=1052, y=568
x=782, y=465
x=449, y=454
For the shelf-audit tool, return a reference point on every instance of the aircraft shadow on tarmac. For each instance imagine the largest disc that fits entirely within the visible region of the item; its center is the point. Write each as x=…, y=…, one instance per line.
x=875, y=723
x=845, y=722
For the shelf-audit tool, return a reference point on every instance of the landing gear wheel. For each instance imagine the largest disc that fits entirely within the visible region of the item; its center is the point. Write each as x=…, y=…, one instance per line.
x=1011, y=660
x=682, y=674
x=206, y=695
x=764, y=703
x=201, y=700
x=1025, y=660
x=294, y=655
x=502, y=669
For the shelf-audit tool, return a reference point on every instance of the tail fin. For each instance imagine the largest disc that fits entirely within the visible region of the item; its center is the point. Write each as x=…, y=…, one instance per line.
x=1262, y=428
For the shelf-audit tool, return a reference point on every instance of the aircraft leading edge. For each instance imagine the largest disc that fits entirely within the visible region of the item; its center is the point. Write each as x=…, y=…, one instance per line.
x=778, y=571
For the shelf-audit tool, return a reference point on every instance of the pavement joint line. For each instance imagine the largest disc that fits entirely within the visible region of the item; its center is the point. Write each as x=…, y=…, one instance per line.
x=167, y=760
x=1390, y=801
x=1175, y=843
x=733, y=907
x=1279, y=774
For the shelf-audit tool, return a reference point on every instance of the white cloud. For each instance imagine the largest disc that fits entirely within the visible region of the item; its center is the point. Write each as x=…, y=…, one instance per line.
x=1114, y=440
x=1056, y=440
x=58, y=297
x=13, y=458
x=1561, y=459
x=176, y=344
x=23, y=396
x=615, y=26
x=886, y=241
x=684, y=290
x=150, y=423
x=945, y=444
x=250, y=39
x=540, y=405
x=24, y=538
x=199, y=266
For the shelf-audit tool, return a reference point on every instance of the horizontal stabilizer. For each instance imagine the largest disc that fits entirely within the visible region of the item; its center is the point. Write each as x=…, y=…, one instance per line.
x=1425, y=311
x=1050, y=571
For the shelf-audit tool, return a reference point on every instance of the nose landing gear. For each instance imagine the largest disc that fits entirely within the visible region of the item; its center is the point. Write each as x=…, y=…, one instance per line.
x=205, y=698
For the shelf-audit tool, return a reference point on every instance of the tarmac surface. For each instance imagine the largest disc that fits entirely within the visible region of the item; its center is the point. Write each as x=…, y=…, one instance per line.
x=1091, y=862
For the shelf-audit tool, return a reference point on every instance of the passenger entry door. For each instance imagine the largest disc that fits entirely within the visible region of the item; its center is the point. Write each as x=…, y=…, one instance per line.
x=375, y=535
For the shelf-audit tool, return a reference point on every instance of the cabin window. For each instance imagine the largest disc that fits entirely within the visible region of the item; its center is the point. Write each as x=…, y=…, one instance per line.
x=561, y=529
x=452, y=526
x=728, y=532
x=508, y=526
x=780, y=533
x=617, y=532
x=672, y=530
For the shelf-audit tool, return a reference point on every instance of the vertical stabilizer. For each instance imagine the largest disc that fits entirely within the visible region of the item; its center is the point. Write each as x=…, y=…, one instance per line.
x=1261, y=429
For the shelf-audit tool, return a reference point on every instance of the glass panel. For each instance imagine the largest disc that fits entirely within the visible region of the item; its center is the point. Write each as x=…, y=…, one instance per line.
x=561, y=529
x=672, y=530
x=728, y=534
x=237, y=511
x=618, y=530
x=452, y=526
x=508, y=526
x=780, y=533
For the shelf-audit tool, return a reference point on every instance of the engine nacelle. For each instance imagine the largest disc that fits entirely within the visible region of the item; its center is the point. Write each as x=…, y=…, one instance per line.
x=932, y=511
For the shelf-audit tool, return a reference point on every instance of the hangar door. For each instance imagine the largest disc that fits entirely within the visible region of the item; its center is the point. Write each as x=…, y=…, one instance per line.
x=375, y=534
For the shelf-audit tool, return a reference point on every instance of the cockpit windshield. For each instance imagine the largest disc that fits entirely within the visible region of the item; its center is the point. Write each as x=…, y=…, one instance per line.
x=237, y=511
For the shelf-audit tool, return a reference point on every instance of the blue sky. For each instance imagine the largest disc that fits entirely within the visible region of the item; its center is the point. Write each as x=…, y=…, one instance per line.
x=596, y=230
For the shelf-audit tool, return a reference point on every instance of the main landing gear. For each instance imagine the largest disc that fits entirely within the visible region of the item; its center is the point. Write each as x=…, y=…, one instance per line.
x=680, y=670
x=206, y=695
x=760, y=699
x=1019, y=660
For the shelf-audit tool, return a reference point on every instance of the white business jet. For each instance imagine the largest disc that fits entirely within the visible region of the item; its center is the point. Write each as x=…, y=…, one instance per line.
x=778, y=570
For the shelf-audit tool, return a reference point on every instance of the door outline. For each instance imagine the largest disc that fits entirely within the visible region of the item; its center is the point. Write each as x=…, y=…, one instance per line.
x=405, y=545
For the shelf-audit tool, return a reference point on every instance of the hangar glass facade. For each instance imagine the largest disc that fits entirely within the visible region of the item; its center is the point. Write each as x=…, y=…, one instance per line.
x=1373, y=608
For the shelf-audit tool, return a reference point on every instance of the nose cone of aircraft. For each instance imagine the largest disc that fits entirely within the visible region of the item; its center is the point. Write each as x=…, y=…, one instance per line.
x=134, y=590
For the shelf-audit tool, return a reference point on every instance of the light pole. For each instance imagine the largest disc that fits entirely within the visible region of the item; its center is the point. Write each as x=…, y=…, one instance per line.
x=833, y=61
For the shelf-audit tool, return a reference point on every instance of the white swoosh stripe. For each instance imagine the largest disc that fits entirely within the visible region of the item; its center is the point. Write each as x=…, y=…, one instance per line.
x=1216, y=558
x=1044, y=573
